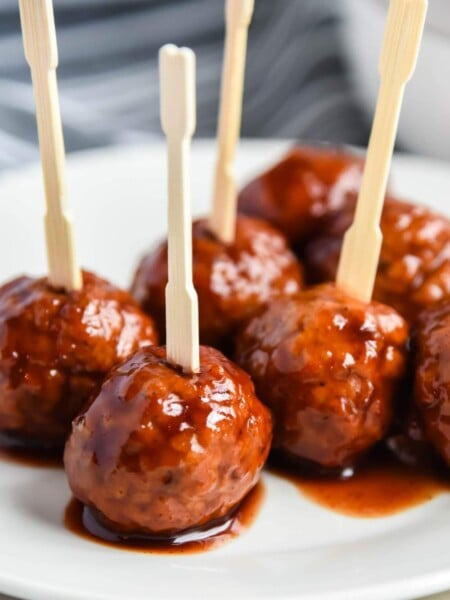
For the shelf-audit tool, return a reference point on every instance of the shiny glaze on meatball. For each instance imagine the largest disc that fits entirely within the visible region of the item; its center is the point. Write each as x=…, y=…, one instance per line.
x=328, y=367
x=432, y=376
x=232, y=280
x=160, y=451
x=56, y=348
x=307, y=185
x=414, y=270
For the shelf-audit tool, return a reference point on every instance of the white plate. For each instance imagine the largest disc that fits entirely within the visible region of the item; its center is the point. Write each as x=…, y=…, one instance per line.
x=295, y=549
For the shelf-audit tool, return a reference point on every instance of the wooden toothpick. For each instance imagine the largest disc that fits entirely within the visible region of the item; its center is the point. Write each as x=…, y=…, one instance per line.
x=39, y=37
x=362, y=243
x=177, y=74
x=238, y=15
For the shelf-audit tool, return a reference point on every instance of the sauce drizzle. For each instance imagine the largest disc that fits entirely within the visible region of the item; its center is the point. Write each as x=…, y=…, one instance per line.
x=381, y=487
x=82, y=521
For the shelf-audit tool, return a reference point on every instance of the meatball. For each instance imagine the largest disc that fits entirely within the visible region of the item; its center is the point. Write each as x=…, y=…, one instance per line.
x=414, y=269
x=56, y=348
x=232, y=280
x=306, y=186
x=432, y=376
x=408, y=444
x=160, y=452
x=328, y=366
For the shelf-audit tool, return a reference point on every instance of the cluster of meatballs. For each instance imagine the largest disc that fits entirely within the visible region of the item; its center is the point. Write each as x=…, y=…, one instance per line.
x=318, y=376
x=407, y=351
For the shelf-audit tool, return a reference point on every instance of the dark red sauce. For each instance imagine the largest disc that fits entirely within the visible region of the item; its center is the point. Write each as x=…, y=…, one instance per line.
x=83, y=521
x=19, y=452
x=381, y=487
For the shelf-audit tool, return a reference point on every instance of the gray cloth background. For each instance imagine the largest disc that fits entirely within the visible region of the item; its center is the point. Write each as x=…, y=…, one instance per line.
x=296, y=85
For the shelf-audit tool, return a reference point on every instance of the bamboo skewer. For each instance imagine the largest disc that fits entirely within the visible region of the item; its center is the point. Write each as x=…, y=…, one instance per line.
x=39, y=37
x=238, y=14
x=362, y=243
x=177, y=74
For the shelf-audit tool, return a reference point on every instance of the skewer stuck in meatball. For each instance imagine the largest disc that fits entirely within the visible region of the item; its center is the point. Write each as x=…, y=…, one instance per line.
x=160, y=451
x=231, y=280
x=414, y=269
x=328, y=366
x=56, y=347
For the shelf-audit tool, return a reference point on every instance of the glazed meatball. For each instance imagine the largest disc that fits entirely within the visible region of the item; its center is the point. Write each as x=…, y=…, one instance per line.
x=306, y=186
x=432, y=376
x=56, y=348
x=414, y=269
x=160, y=452
x=328, y=366
x=232, y=280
